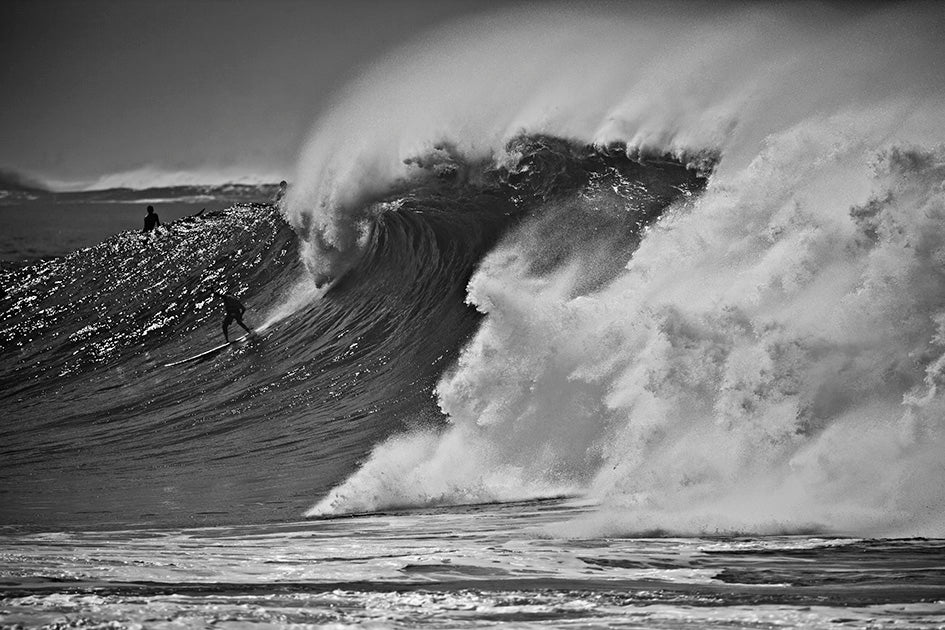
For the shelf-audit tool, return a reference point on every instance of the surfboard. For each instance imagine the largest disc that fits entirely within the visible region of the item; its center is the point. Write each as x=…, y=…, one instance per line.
x=207, y=354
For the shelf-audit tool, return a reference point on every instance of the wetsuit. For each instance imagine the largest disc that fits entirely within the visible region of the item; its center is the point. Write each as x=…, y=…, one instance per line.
x=151, y=221
x=234, y=312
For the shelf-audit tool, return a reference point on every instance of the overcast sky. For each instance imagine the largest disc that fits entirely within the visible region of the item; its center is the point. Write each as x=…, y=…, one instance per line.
x=92, y=88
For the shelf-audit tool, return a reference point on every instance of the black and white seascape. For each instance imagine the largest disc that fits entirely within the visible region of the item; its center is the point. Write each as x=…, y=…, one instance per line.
x=580, y=315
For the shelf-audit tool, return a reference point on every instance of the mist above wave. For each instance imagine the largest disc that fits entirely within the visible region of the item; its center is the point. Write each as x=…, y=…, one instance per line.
x=682, y=79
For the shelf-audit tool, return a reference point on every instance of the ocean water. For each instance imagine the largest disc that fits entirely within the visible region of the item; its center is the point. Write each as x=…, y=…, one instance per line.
x=462, y=567
x=39, y=230
x=633, y=334
x=42, y=224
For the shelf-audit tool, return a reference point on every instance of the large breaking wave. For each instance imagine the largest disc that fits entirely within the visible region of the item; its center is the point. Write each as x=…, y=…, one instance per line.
x=769, y=357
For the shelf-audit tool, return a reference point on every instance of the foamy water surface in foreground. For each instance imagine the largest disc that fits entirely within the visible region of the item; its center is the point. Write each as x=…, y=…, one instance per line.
x=464, y=567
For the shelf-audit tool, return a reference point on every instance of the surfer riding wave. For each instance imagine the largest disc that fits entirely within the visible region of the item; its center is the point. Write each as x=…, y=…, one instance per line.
x=234, y=312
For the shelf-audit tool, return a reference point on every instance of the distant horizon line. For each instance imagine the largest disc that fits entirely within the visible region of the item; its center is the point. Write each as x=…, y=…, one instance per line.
x=10, y=181
x=13, y=180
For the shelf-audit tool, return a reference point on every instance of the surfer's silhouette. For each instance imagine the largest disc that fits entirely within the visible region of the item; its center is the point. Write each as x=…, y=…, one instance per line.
x=280, y=193
x=151, y=220
x=234, y=312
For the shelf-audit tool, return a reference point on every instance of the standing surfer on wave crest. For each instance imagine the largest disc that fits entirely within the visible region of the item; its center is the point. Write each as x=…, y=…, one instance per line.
x=234, y=312
x=151, y=221
x=280, y=193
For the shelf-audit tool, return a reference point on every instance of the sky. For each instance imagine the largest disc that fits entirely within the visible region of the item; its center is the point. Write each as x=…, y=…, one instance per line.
x=103, y=92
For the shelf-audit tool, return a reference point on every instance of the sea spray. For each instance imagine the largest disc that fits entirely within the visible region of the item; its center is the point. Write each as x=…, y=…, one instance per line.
x=776, y=343
x=682, y=79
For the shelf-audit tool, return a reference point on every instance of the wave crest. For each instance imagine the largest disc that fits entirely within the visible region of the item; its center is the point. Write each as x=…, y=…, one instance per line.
x=770, y=358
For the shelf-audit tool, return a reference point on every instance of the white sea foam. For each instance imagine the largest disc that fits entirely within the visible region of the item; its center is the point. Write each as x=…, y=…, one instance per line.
x=300, y=295
x=771, y=357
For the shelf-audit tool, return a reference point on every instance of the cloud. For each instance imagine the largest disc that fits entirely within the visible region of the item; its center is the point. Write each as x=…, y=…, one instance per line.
x=15, y=180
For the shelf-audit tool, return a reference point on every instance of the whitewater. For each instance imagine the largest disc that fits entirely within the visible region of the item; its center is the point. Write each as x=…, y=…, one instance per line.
x=624, y=315
x=769, y=358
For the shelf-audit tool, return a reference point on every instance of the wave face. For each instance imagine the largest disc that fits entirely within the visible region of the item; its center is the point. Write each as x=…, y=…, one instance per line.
x=768, y=359
x=101, y=431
